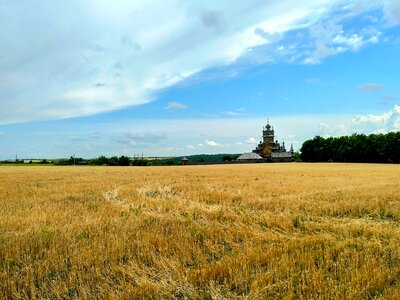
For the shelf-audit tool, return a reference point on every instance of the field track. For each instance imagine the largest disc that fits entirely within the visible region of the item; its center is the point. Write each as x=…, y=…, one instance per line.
x=255, y=231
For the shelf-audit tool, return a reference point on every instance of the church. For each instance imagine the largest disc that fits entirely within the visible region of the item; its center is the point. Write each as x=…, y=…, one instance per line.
x=270, y=149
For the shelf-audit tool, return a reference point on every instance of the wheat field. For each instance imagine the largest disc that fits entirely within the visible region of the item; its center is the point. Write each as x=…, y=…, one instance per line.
x=251, y=231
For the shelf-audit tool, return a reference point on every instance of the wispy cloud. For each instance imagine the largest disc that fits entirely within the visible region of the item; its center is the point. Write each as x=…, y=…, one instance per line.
x=330, y=38
x=389, y=100
x=235, y=113
x=136, y=138
x=371, y=87
x=76, y=138
x=82, y=69
x=392, y=11
x=175, y=106
x=313, y=80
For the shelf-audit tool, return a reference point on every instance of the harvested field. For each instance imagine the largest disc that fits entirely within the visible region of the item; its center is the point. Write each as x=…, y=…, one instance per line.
x=256, y=231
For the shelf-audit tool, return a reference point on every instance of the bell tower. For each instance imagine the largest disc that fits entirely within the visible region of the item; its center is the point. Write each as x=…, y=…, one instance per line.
x=268, y=134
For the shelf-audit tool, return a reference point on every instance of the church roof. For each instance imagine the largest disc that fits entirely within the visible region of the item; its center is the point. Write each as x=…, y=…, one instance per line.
x=281, y=155
x=249, y=156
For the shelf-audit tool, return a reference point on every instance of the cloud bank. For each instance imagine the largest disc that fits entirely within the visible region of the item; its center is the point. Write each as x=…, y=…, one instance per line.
x=77, y=58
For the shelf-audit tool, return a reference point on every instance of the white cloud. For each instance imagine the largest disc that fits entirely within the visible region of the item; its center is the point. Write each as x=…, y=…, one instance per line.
x=367, y=123
x=392, y=11
x=330, y=38
x=371, y=87
x=113, y=54
x=354, y=42
x=212, y=143
x=190, y=147
x=251, y=141
x=381, y=119
x=386, y=121
x=175, y=106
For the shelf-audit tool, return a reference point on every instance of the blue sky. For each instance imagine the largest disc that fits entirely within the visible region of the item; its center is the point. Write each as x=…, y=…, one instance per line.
x=183, y=77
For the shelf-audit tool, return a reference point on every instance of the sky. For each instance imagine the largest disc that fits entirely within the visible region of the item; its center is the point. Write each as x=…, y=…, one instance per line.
x=169, y=77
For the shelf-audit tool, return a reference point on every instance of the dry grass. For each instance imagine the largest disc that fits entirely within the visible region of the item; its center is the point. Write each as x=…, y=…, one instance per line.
x=285, y=231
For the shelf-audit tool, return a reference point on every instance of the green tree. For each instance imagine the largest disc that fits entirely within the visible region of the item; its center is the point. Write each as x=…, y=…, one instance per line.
x=377, y=148
x=123, y=161
x=226, y=158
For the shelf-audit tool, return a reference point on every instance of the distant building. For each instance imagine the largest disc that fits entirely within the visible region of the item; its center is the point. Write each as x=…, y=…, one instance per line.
x=270, y=149
x=32, y=161
x=249, y=157
x=281, y=156
x=184, y=161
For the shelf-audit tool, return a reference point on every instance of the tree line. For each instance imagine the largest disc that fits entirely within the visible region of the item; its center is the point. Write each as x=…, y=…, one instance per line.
x=372, y=148
x=102, y=161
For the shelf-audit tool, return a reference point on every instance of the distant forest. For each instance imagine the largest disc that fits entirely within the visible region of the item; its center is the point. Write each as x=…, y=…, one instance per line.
x=126, y=161
x=373, y=148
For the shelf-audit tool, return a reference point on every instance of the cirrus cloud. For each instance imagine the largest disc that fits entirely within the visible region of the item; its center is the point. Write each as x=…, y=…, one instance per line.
x=371, y=87
x=175, y=106
x=78, y=58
